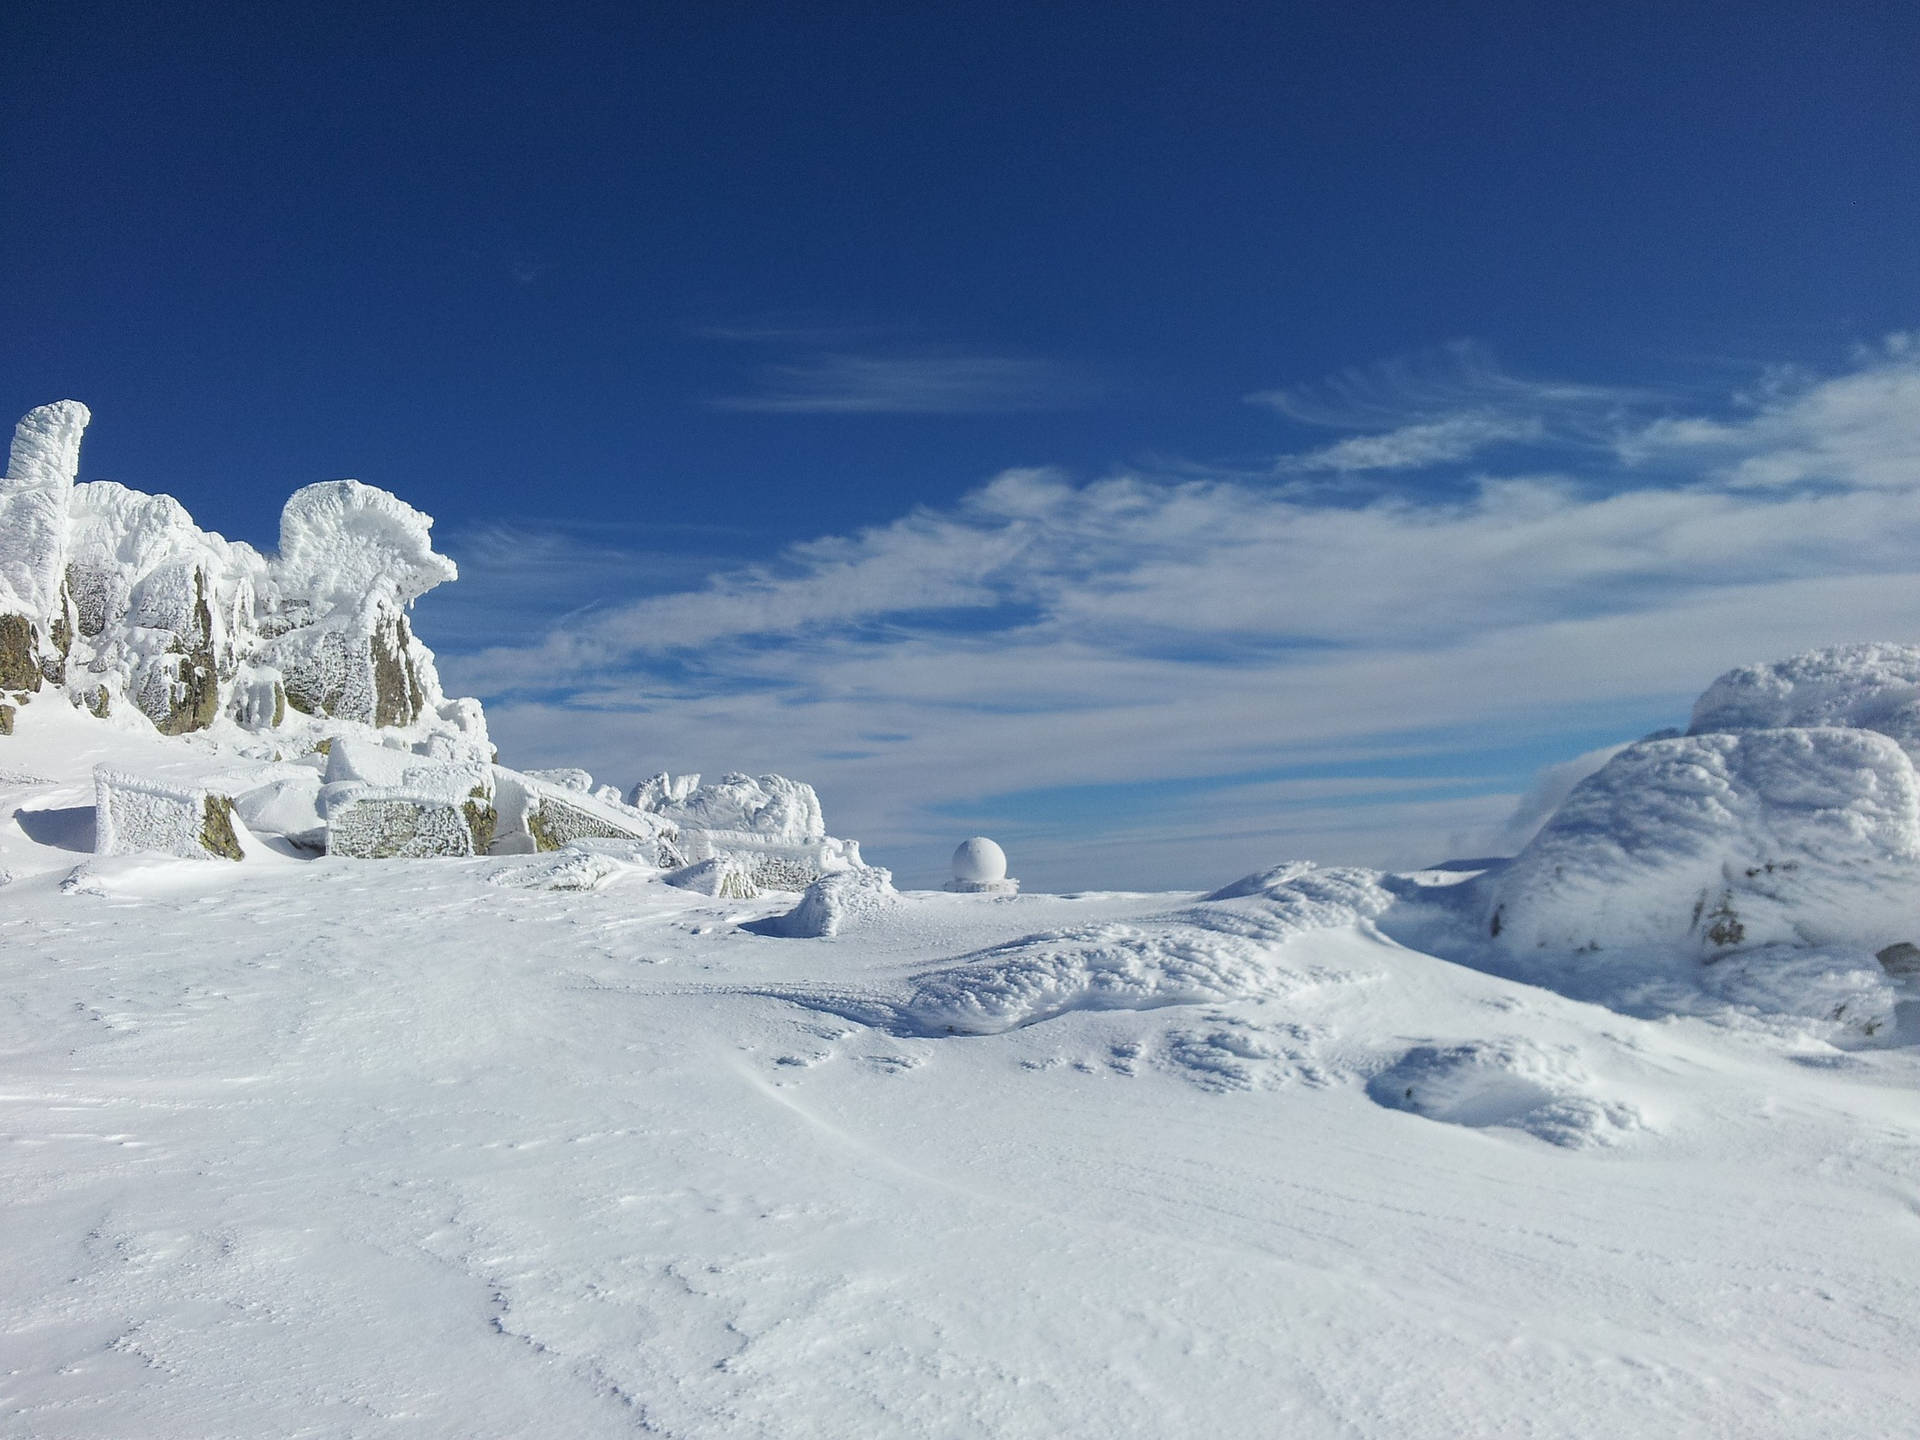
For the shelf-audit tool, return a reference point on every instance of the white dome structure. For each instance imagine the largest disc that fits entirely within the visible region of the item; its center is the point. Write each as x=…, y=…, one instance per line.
x=980, y=868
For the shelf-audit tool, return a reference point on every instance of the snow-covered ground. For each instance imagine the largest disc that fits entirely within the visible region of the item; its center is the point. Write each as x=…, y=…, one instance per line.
x=542, y=1145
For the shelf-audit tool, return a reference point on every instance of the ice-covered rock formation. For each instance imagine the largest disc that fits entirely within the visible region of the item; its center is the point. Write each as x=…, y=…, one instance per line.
x=120, y=600
x=36, y=620
x=1785, y=825
x=772, y=827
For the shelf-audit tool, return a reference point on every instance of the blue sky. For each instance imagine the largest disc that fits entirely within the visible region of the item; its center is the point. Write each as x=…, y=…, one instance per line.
x=1175, y=437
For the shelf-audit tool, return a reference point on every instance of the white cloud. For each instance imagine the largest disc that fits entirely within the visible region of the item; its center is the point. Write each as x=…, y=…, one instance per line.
x=1041, y=634
x=1430, y=442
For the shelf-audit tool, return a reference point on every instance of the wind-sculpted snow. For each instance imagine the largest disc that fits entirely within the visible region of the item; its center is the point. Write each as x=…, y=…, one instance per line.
x=1229, y=947
x=1511, y=1083
x=1860, y=687
x=348, y=547
x=840, y=900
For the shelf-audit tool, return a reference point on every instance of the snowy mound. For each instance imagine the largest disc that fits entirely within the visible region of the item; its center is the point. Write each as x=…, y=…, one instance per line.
x=1857, y=687
x=120, y=601
x=1710, y=843
x=833, y=903
x=1763, y=860
x=1229, y=947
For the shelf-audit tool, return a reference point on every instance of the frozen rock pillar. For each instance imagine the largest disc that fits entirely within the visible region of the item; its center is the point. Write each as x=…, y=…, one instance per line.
x=36, y=621
x=352, y=558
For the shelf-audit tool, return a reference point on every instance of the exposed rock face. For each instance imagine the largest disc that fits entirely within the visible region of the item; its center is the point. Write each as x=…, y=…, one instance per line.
x=1789, y=818
x=120, y=599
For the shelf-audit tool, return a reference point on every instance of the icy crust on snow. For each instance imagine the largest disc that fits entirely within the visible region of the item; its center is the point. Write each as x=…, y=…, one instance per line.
x=137, y=611
x=1705, y=844
x=1231, y=946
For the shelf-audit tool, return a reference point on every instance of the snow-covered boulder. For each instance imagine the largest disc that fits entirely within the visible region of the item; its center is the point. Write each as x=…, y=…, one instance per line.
x=771, y=826
x=133, y=814
x=722, y=877
x=1789, y=817
x=770, y=807
x=544, y=816
x=376, y=823
x=381, y=802
x=834, y=903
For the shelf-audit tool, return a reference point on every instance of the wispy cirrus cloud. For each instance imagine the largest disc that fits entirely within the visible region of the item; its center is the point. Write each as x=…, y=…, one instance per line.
x=1444, y=406
x=815, y=365
x=1089, y=666
x=909, y=384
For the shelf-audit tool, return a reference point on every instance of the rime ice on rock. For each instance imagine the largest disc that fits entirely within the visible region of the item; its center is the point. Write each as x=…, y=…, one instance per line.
x=384, y=803
x=771, y=826
x=134, y=814
x=1787, y=825
x=1860, y=687
x=122, y=600
x=165, y=612
x=35, y=619
x=545, y=816
x=352, y=558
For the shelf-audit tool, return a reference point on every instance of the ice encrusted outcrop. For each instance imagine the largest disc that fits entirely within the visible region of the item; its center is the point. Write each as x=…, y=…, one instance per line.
x=539, y=815
x=772, y=827
x=1782, y=834
x=134, y=814
x=120, y=600
x=35, y=619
